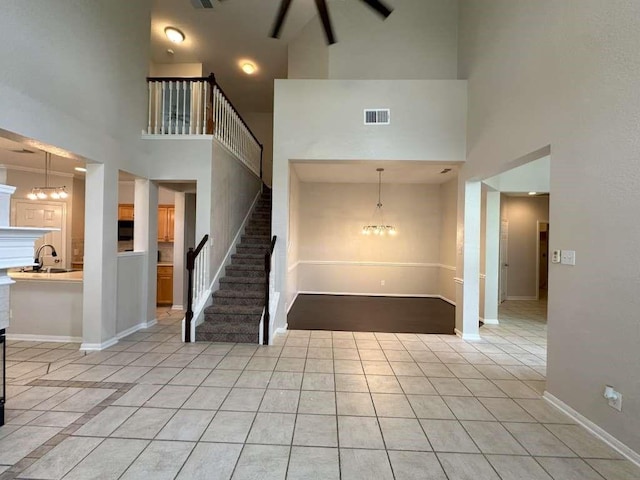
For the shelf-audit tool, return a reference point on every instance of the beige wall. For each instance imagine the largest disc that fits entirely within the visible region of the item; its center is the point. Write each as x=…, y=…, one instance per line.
x=24, y=181
x=523, y=213
x=175, y=70
x=565, y=74
x=448, y=232
x=293, y=245
x=233, y=190
x=334, y=256
x=417, y=41
x=261, y=124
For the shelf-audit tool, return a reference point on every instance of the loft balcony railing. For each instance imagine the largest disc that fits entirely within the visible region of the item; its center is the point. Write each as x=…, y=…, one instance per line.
x=198, y=106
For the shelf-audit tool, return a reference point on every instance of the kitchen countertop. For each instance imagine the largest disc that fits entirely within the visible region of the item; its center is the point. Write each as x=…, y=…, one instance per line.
x=48, y=277
x=165, y=264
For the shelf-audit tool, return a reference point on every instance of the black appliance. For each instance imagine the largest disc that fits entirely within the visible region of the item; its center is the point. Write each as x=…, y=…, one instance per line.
x=125, y=230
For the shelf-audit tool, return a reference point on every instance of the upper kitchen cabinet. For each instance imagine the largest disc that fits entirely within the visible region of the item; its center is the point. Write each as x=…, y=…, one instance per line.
x=125, y=211
x=166, y=215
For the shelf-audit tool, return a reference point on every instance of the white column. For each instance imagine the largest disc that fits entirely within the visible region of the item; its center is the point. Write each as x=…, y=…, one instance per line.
x=179, y=252
x=99, y=298
x=145, y=239
x=471, y=262
x=492, y=258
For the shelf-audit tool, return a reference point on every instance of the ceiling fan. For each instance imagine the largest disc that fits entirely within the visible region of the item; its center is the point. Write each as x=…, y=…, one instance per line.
x=323, y=11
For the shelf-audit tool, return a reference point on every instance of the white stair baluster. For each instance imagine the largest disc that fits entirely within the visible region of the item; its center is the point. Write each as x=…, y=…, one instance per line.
x=200, y=93
x=164, y=97
x=149, y=123
x=184, y=106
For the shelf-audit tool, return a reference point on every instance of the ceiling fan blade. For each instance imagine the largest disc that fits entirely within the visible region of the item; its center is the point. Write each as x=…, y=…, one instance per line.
x=282, y=14
x=379, y=7
x=323, y=11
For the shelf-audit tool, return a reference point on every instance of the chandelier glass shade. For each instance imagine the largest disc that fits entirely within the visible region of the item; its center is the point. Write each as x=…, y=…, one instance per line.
x=377, y=225
x=42, y=193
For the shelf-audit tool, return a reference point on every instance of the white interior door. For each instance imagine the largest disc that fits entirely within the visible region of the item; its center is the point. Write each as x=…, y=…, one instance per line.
x=48, y=215
x=504, y=261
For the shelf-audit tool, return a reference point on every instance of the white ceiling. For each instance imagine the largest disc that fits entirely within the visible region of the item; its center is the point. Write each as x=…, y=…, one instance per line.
x=220, y=37
x=10, y=158
x=365, y=172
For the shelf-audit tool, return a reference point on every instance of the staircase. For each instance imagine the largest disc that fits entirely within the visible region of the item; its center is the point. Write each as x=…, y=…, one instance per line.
x=234, y=315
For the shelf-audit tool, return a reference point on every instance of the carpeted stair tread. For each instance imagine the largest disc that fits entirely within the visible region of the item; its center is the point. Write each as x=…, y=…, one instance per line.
x=227, y=337
x=235, y=309
x=243, y=280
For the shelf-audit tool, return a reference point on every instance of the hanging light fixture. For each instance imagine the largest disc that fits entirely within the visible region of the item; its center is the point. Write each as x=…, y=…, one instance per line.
x=377, y=225
x=42, y=193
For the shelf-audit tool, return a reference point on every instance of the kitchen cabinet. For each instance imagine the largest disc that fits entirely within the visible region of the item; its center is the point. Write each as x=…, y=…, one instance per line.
x=125, y=211
x=166, y=214
x=164, y=294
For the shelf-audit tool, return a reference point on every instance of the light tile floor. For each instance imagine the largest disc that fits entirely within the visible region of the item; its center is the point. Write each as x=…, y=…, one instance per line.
x=317, y=405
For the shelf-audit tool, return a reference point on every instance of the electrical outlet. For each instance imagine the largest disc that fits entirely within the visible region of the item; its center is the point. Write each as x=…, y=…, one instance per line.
x=382, y=282
x=614, y=398
x=555, y=256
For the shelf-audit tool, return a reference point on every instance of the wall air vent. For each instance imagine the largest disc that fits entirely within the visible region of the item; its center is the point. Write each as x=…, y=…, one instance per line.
x=377, y=116
x=202, y=3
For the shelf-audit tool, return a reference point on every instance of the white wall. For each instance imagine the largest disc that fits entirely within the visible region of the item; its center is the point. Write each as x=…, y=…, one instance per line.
x=417, y=41
x=565, y=74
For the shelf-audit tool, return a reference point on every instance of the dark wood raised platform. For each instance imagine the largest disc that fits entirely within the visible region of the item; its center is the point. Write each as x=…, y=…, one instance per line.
x=372, y=314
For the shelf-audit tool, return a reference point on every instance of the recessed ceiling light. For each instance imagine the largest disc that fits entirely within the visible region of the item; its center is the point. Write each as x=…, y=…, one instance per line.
x=533, y=193
x=80, y=169
x=249, y=68
x=174, y=35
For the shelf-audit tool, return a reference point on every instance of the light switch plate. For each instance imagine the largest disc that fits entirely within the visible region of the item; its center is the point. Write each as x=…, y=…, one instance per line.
x=568, y=257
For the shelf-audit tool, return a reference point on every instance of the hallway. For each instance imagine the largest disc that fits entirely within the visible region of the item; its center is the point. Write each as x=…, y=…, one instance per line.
x=318, y=404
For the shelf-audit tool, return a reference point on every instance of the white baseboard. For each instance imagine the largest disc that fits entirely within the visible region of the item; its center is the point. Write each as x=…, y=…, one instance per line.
x=26, y=337
x=292, y=302
x=177, y=307
x=599, y=432
x=135, y=328
x=282, y=330
x=491, y=321
x=467, y=336
x=522, y=297
x=442, y=297
x=361, y=294
x=99, y=346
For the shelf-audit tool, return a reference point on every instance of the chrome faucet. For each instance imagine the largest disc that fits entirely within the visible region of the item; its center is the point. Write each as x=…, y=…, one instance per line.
x=37, y=262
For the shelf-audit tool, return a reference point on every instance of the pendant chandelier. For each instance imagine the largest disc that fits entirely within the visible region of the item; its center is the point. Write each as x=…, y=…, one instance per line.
x=42, y=193
x=377, y=225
